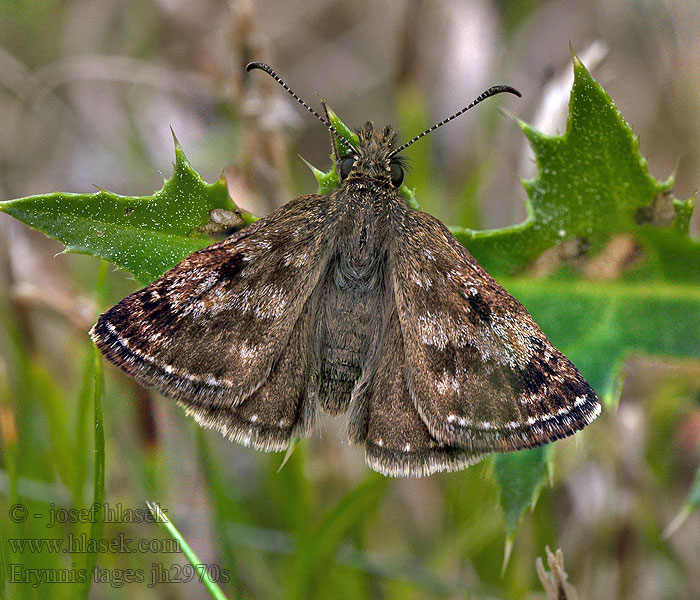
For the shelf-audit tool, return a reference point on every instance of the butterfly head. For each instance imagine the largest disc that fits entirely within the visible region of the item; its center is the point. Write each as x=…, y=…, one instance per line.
x=373, y=158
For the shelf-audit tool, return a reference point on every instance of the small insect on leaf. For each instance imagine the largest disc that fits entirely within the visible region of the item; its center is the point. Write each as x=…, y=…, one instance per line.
x=351, y=302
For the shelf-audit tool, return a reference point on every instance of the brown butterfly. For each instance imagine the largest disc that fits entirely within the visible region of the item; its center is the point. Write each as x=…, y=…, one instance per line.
x=351, y=302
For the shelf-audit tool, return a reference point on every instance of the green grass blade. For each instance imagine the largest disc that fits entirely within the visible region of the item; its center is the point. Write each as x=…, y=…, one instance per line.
x=97, y=525
x=692, y=503
x=82, y=426
x=201, y=569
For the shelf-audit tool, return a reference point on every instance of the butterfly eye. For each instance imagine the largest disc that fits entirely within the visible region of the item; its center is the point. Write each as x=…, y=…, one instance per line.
x=396, y=171
x=346, y=166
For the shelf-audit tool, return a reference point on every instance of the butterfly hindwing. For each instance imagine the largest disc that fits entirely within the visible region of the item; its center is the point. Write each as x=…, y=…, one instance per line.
x=282, y=407
x=230, y=322
x=384, y=418
x=481, y=373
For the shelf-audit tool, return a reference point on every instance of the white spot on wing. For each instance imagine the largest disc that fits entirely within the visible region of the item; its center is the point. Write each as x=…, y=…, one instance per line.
x=580, y=400
x=432, y=330
x=247, y=352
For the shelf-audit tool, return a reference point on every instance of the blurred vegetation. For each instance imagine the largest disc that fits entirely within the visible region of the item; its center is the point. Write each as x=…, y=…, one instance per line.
x=87, y=90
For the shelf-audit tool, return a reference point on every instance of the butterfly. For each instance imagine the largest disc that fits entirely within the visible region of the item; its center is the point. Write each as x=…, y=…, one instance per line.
x=351, y=303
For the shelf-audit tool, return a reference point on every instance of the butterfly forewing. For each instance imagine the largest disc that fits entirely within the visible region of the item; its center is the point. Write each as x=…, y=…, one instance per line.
x=210, y=332
x=481, y=373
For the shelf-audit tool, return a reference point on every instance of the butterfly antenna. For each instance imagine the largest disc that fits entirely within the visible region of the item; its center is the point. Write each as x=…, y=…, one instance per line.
x=271, y=72
x=492, y=91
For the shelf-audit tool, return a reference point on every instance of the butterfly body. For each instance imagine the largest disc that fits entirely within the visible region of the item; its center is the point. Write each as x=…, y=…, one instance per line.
x=350, y=303
x=356, y=286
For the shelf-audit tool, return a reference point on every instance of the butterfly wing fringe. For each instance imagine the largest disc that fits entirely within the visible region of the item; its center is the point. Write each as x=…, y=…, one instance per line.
x=396, y=463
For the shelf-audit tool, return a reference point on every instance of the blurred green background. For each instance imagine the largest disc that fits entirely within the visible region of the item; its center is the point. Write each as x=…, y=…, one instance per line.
x=88, y=90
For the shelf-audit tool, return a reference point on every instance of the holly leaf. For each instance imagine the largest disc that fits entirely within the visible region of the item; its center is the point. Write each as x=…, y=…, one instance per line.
x=592, y=183
x=592, y=187
x=145, y=235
